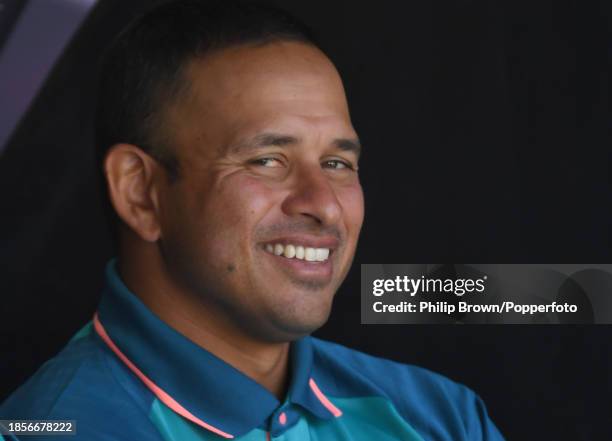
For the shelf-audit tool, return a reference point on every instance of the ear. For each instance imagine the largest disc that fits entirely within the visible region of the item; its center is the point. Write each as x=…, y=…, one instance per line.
x=130, y=175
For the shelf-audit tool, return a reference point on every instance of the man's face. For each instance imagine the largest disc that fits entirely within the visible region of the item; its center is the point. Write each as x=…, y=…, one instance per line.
x=268, y=165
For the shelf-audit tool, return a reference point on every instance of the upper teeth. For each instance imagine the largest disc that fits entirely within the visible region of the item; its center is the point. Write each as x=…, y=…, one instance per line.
x=299, y=252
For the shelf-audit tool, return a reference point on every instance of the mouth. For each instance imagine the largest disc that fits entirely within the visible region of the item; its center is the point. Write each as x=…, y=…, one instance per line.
x=299, y=252
x=303, y=259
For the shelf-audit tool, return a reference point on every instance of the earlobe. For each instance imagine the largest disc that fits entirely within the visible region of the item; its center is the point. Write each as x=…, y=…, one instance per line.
x=130, y=178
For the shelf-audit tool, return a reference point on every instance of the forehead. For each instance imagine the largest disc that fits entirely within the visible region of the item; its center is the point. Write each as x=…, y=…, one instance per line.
x=250, y=87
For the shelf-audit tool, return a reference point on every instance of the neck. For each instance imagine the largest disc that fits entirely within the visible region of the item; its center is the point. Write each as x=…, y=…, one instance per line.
x=264, y=362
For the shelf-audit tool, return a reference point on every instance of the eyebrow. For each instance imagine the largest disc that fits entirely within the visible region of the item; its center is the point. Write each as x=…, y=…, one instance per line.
x=280, y=140
x=349, y=145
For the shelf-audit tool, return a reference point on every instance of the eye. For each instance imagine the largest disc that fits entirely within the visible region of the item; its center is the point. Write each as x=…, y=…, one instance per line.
x=267, y=162
x=337, y=164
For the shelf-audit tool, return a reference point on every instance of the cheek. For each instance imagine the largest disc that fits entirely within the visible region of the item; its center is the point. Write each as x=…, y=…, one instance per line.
x=242, y=202
x=351, y=198
x=234, y=212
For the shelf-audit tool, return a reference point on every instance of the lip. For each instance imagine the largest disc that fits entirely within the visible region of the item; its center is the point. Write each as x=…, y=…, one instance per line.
x=320, y=272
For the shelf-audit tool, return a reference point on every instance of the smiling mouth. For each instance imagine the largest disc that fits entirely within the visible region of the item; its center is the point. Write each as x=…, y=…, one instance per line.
x=299, y=252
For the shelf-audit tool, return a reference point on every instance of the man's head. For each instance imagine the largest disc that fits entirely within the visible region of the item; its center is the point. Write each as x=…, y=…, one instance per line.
x=227, y=141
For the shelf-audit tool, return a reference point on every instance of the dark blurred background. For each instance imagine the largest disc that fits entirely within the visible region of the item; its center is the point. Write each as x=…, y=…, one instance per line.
x=486, y=126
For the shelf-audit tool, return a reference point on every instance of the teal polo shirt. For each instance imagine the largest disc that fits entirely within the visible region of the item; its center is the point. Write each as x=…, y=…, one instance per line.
x=127, y=375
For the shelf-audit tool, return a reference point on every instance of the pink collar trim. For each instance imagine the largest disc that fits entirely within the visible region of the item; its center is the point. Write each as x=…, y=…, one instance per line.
x=157, y=391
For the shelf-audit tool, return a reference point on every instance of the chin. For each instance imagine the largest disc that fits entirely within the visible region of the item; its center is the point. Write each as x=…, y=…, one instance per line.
x=299, y=326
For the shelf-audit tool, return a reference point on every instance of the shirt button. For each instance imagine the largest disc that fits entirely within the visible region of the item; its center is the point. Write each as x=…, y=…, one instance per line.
x=282, y=418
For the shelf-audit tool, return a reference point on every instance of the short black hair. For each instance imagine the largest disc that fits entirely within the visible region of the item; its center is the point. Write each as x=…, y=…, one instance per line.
x=142, y=70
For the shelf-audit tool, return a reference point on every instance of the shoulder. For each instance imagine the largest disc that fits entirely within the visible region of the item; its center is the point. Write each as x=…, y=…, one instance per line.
x=82, y=383
x=436, y=406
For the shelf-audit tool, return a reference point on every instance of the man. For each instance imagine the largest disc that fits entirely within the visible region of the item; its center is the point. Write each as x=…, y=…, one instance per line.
x=231, y=163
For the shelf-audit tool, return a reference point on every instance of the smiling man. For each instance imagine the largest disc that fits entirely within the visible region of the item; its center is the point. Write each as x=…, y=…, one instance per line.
x=232, y=166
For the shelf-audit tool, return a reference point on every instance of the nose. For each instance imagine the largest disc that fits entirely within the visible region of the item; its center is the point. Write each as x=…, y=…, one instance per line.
x=313, y=195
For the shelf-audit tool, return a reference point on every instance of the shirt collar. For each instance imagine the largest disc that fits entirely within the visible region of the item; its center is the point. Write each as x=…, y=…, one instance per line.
x=190, y=380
